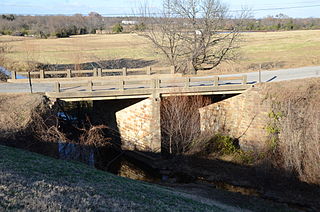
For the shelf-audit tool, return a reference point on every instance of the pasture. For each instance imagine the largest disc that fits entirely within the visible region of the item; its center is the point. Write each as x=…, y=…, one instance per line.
x=273, y=50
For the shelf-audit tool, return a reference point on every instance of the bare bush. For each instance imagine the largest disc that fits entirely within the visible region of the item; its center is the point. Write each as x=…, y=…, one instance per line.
x=299, y=140
x=180, y=122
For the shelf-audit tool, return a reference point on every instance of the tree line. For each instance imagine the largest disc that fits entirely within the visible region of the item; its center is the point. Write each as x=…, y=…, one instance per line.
x=77, y=24
x=54, y=26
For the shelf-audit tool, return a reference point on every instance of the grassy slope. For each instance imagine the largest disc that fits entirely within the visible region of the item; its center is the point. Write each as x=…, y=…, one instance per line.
x=29, y=181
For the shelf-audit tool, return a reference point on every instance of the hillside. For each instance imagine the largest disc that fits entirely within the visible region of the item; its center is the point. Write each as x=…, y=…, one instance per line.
x=29, y=181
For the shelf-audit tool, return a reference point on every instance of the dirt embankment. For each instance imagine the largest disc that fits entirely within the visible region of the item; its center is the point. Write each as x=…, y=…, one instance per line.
x=18, y=114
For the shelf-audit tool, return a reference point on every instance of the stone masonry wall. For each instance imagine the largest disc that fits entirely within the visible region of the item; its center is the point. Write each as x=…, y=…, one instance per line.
x=139, y=126
x=244, y=117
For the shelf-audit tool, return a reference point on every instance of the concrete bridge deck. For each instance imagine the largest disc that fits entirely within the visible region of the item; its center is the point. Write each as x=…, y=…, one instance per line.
x=98, y=84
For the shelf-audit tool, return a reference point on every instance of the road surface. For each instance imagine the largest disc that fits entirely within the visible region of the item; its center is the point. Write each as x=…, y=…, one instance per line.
x=253, y=77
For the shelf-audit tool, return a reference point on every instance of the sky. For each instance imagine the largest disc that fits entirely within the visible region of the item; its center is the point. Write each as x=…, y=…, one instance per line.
x=259, y=8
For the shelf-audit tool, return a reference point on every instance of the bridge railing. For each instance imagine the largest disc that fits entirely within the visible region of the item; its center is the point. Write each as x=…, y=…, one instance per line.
x=142, y=83
x=97, y=72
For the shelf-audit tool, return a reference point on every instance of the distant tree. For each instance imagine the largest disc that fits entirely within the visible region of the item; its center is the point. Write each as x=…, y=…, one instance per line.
x=117, y=28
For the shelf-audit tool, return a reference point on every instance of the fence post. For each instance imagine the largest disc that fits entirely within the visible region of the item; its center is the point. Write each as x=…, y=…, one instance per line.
x=13, y=75
x=172, y=69
x=68, y=73
x=149, y=70
x=57, y=87
x=42, y=74
x=244, y=80
x=90, y=85
x=216, y=81
x=99, y=72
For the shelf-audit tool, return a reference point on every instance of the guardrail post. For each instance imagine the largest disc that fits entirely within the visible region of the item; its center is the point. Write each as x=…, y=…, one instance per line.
x=216, y=81
x=68, y=73
x=155, y=83
x=149, y=70
x=99, y=72
x=124, y=71
x=90, y=85
x=244, y=80
x=57, y=87
x=187, y=82
x=13, y=75
x=42, y=74
x=95, y=72
x=260, y=76
x=121, y=85
x=172, y=69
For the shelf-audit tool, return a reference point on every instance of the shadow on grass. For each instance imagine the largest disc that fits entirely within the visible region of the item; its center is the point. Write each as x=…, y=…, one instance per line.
x=105, y=64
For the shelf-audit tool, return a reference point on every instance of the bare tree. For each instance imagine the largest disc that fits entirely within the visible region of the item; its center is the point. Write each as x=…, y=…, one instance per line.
x=180, y=122
x=193, y=33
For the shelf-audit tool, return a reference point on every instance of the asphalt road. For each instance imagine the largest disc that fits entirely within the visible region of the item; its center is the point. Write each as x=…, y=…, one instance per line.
x=253, y=77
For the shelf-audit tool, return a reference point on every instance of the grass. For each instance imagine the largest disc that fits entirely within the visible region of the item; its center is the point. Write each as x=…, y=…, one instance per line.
x=29, y=181
x=286, y=49
x=293, y=48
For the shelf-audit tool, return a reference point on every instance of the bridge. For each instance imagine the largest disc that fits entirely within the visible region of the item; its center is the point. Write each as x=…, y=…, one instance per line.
x=137, y=93
x=99, y=84
x=133, y=96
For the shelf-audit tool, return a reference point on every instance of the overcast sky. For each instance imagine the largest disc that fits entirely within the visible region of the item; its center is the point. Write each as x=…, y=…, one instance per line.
x=260, y=8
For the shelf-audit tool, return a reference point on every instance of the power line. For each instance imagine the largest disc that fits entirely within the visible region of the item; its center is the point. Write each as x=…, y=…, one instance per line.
x=157, y=13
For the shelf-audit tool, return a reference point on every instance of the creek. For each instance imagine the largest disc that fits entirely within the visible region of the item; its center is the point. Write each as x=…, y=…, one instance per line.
x=113, y=159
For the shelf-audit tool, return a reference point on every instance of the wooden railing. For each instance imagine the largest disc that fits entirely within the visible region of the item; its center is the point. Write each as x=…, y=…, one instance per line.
x=97, y=72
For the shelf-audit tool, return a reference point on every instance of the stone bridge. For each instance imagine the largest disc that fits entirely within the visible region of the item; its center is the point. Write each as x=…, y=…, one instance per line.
x=137, y=119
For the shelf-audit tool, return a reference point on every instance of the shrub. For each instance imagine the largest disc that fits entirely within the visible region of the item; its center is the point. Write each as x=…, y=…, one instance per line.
x=117, y=28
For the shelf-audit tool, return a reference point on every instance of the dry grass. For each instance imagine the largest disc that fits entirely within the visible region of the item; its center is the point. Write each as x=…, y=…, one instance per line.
x=297, y=124
x=31, y=182
x=273, y=50
x=16, y=112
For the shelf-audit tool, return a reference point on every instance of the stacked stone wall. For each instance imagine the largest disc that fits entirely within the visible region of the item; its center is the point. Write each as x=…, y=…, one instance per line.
x=139, y=126
x=244, y=117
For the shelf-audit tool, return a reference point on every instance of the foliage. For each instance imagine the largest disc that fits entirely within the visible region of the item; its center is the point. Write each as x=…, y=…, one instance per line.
x=140, y=27
x=117, y=28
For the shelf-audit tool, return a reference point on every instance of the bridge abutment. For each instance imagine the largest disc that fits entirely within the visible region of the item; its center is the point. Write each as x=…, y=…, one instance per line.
x=139, y=126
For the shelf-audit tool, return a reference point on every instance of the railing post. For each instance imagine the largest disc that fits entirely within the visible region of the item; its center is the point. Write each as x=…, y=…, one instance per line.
x=68, y=73
x=155, y=83
x=244, y=80
x=90, y=85
x=260, y=76
x=57, y=87
x=95, y=72
x=124, y=71
x=149, y=70
x=187, y=82
x=172, y=69
x=99, y=72
x=121, y=85
x=13, y=75
x=41, y=74
x=216, y=81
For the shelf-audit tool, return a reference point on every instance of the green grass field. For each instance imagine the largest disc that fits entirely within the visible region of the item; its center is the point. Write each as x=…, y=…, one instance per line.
x=280, y=49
